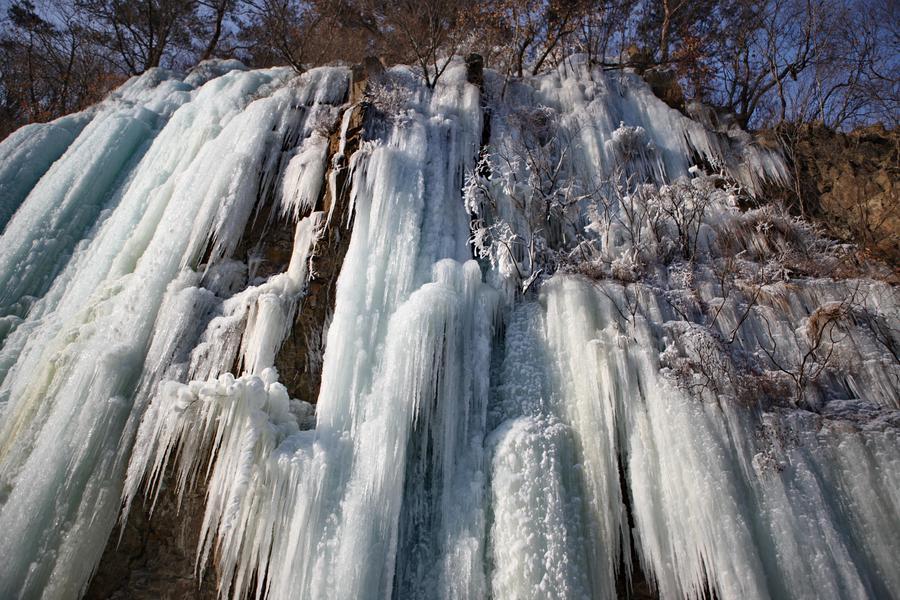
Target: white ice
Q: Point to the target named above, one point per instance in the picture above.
(592, 389)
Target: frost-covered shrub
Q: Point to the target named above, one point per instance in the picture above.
(683, 208)
(770, 234)
(630, 142)
(634, 152)
(524, 207)
(816, 352)
(696, 360)
(389, 95)
(535, 125)
(883, 332)
(627, 266)
(706, 366)
(609, 229)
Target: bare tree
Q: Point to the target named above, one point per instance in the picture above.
(774, 42)
(210, 23)
(138, 34)
(431, 31)
(523, 199)
(276, 31)
(666, 26)
(854, 79)
(47, 66)
(670, 10)
(534, 33)
(603, 28)
(305, 34)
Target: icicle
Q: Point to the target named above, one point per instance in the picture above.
(65, 436)
(303, 177)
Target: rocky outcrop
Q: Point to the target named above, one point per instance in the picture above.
(156, 556)
(662, 79)
(847, 182)
(663, 82)
(299, 361)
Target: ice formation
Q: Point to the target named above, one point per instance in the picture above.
(558, 361)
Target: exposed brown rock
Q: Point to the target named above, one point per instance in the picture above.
(662, 79)
(272, 238)
(848, 183)
(475, 70)
(664, 84)
(299, 359)
(638, 589)
(640, 59)
(155, 559)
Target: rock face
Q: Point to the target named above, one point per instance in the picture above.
(664, 84)
(156, 556)
(299, 361)
(662, 79)
(849, 183)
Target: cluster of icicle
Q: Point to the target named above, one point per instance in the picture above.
(469, 440)
(103, 295)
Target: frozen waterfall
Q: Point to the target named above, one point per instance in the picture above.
(563, 354)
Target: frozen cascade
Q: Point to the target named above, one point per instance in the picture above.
(722, 495)
(89, 333)
(629, 381)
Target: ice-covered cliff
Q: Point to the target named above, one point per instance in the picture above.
(545, 334)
